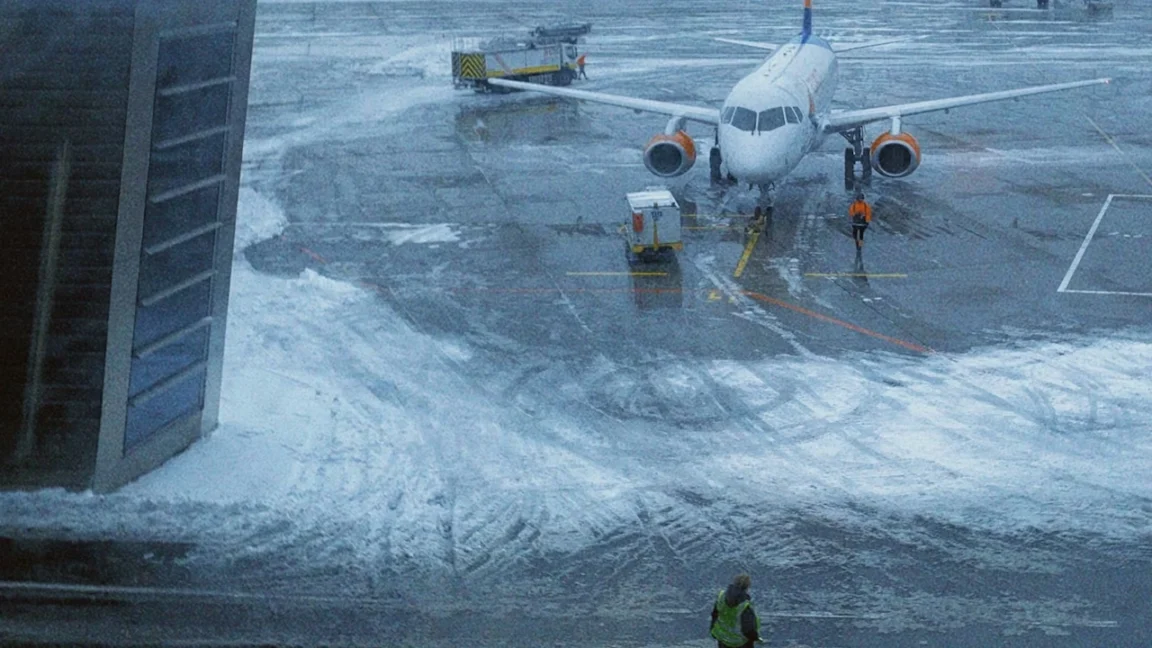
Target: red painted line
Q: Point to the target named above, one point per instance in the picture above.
(832, 320)
(315, 257)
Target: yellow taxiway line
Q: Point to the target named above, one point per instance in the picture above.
(747, 253)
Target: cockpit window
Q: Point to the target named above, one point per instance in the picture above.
(771, 119)
(793, 115)
(727, 116)
(744, 119)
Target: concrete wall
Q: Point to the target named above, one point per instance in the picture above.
(122, 126)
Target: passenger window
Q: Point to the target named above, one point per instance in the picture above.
(727, 116)
(744, 119)
(771, 119)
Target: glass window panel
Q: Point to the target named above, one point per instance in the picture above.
(727, 116)
(169, 360)
(185, 164)
(187, 113)
(771, 119)
(166, 220)
(792, 114)
(172, 313)
(175, 402)
(194, 59)
(744, 119)
(178, 263)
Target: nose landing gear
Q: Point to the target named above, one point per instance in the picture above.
(856, 153)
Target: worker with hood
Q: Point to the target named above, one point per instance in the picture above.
(860, 213)
(734, 622)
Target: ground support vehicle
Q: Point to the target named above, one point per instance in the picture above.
(654, 227)
(547, 55)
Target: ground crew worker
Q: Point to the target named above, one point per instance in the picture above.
(581, 74)
(734, 622)
(861, 214)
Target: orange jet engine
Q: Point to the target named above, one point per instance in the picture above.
(670, 155)
(896, 155)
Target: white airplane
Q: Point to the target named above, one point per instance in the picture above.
(782, 111)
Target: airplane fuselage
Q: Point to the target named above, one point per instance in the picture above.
(770, 119)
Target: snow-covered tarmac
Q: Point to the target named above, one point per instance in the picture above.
(384, 438)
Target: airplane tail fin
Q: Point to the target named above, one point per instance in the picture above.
(807, 31)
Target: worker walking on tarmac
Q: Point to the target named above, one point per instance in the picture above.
(734, 622)
(581, 74)
(861, 214)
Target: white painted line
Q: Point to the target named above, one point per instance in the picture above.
(1084, 246)
(1109, 292)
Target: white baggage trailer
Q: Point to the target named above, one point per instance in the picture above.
(655, 223)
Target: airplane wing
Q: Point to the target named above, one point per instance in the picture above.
(835, 48)
(849, 48)
(693, 113)
(764, 46)
(848, 119)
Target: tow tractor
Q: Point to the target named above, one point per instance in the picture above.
(547, 55)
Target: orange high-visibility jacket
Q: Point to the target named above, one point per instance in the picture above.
(580, 60)
(860, 208)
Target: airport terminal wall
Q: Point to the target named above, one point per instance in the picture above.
(122, 125)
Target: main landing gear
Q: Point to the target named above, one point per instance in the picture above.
(856, 153)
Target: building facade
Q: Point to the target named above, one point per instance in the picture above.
(121, 125)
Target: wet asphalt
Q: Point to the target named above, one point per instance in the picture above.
(968, 253)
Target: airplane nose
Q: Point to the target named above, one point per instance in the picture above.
(752, 159)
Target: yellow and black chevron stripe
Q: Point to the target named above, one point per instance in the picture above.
(468, 66)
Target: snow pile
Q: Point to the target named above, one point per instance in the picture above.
(257, 219)
(347, 436)
(1049, 437)
(335, 408)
